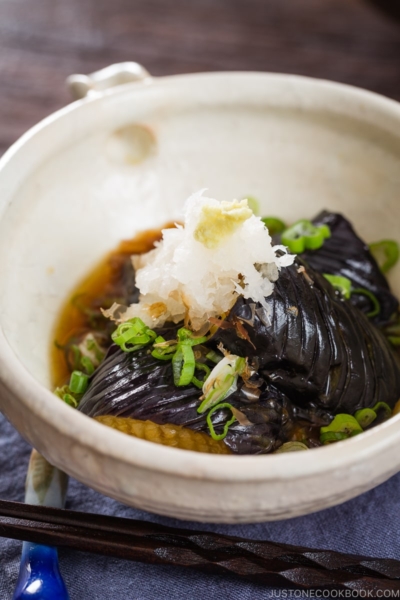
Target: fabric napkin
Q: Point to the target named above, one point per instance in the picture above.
(369, 525)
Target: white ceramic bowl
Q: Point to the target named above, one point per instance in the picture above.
(82, 180)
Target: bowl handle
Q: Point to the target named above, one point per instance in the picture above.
(99, 81)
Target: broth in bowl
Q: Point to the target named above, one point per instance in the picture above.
(235, 334)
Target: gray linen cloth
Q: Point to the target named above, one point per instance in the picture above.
(366, 525)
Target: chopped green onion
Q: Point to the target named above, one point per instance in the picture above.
(69, 399)
(386, 254)
(303, 235)
(78, 382)
(162, 354)
(332, 436)
(183, 364)
(274, 225)
(393, 328)
(177, 364)
(382, 406)
(76, 356)
(65, 394)
(162, 350)
(140, 340)
(182, 356)
(187, 336)
(222, 381)
(87, 365)
(341, 284)
(342, 427)
(214, 357)
(93, 346)
(365, 417)
(253, 204)
(201, 367)
(133, 332)
(184, 334)
(222, 435)
(291, 447)
(376, 307)
(61, 391)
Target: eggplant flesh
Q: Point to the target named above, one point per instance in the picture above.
(314, 346)
(347, 255)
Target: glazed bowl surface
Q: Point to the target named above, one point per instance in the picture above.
(125, 159)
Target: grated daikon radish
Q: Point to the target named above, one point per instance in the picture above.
(198, 271)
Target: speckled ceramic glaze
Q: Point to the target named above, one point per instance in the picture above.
(125, 159)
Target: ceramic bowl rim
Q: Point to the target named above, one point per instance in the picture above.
(147, 455)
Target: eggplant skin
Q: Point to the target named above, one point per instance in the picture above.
(317, 355)
(138, 386)
(316, 347)
(345, 254)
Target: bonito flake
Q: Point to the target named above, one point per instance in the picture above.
(198, 270)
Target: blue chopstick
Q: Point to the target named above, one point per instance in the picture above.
(39, 574)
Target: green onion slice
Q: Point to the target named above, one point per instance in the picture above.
(274, 225)
(386, 254)
(162, 354)
(385, 408)
(76, 356)
(303, 235)
(393, 328)
(61, 391)
(87, 365)
(81, 362)
(222, 381)
(201, 367)
(376, 307)
(182, 356)
(187, 336)
(78, 382)
(69, 399)
(162, 349)
(342, 426)
(365, 417)
(133, 335)
(219, 436)
(65, 394)
(183, 364)
(341, 284)
(214, 357)
(93, 347)
(332, 436)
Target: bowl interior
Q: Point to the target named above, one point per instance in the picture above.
(126, 161)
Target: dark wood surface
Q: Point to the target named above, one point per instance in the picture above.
(43, 41)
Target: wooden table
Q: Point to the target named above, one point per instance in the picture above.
(43, 41)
